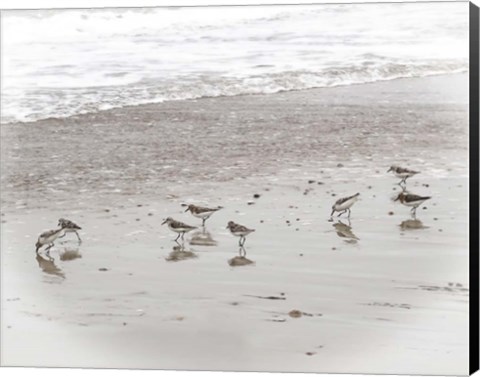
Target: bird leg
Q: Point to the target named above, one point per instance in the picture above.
(242, 251)
(177, 237)
(349, 212)
(241, 242)
(78, 236)
(183, 234)
(50, 258)
(203, 221)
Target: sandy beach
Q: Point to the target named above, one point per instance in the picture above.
(381, 293)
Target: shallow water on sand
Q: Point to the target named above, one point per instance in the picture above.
(379, 282)
(176, 148)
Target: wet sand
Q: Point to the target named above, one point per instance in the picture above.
(383, 293)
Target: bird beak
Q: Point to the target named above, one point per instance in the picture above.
(188, 209)
(164, 222)
(389, 170)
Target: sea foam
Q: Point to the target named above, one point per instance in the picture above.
(79, 61)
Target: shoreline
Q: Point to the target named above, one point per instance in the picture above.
(127, 107)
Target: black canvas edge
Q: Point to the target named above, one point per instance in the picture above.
(474, 188)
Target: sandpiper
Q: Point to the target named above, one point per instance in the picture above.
(178, 227)
(239, 231)
(47, 238)
(411, 200)
(202, 212)
(343, 205)
(69, 226)
(402, 173)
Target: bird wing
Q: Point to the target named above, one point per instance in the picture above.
(343, 200)
(48, 233)
(72, 225)
(241, 228)
(179, 224)
(205, 209)
(68, 224)
(405, 170)
(413, 197)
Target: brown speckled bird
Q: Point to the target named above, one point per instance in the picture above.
(239, 231)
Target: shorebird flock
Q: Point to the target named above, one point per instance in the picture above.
(341, 206)
(204, 213)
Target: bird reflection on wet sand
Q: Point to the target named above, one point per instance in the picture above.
(179, 253)
(69, 254)
(202, 238)
(47, 265)
(241, 259)
(345, 231)
(412, 224)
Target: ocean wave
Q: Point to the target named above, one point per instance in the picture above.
(64, 102)
(108, 58)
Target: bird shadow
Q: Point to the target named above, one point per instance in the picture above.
(345, 231)
(202, 238)
(48, 266)
(412, 224)
(69, 254)
(179, 253)
(241, 259)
